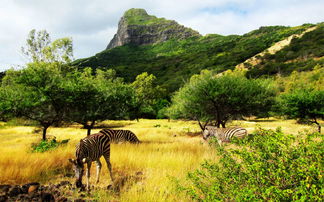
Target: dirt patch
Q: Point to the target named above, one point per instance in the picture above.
(123, 183)
(35, 192)
(64, 190)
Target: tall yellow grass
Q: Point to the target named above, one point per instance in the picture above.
(142, 172)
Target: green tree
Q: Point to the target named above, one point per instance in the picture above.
(98, 97)
(39, 48)
(36, 93)
(217, 99)
(147, 95)
(305, 104)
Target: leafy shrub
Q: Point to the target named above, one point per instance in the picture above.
(46, 145)
(268, 165)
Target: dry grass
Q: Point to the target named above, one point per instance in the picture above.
(142, 172)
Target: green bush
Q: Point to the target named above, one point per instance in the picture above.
(268, 165)
(46, 145)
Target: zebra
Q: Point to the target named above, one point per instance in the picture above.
(224, 134)
(121, 135)
(91, 148)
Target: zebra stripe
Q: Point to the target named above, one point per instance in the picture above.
(121, 135)
(224, 134)
(92, 147)
(89, 149)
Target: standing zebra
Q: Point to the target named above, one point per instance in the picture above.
(92, 147)
(224, 134)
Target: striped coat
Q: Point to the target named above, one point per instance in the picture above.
(121, 135)
(224, 134)
(92, 147)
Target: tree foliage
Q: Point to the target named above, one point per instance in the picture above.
(220, 98)
(39, 48)
(305, 104)
(36, 93)
(302, 96)
(148, 95)
(97, 97)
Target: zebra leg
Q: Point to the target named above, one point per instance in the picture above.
(109, 167)
(98, 170)
(88, 174)
(219, 142)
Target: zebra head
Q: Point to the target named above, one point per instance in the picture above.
(206, 134)
(78, 168)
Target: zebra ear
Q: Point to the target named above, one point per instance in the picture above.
(84, 160)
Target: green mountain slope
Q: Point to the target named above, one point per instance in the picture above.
(174, 61)
(302, 54)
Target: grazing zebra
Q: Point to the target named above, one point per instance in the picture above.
(121, 135)
(224, 134)
(91, 148)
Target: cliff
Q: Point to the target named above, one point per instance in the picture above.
(138, 28)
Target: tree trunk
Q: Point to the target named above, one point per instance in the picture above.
(44, 132)
(202, 127)
(89, 127)
(318, 125)
(88, 131)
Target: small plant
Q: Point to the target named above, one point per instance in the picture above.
(186, 130)
(157, 126)
(46, 145)
(274, 166)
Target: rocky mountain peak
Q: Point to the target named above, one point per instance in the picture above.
(139, 28)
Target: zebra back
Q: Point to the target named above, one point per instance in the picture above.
(225, 134)
(120, 135)
(93, 147)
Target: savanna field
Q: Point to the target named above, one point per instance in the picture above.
(173, 88)
(143, 172)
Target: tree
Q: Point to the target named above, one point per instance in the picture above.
(35, 93)
(305, 104)
(97, 97)
(217, 99)
(147, 95)
(39, 48)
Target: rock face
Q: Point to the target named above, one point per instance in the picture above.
(138, 28)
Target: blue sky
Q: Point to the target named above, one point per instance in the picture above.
(92, 24)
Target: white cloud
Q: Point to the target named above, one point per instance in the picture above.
(92, 24)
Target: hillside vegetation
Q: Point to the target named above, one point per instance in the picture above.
(302, 54)
(174, 61)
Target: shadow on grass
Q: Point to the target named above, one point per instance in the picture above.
(263, 121)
